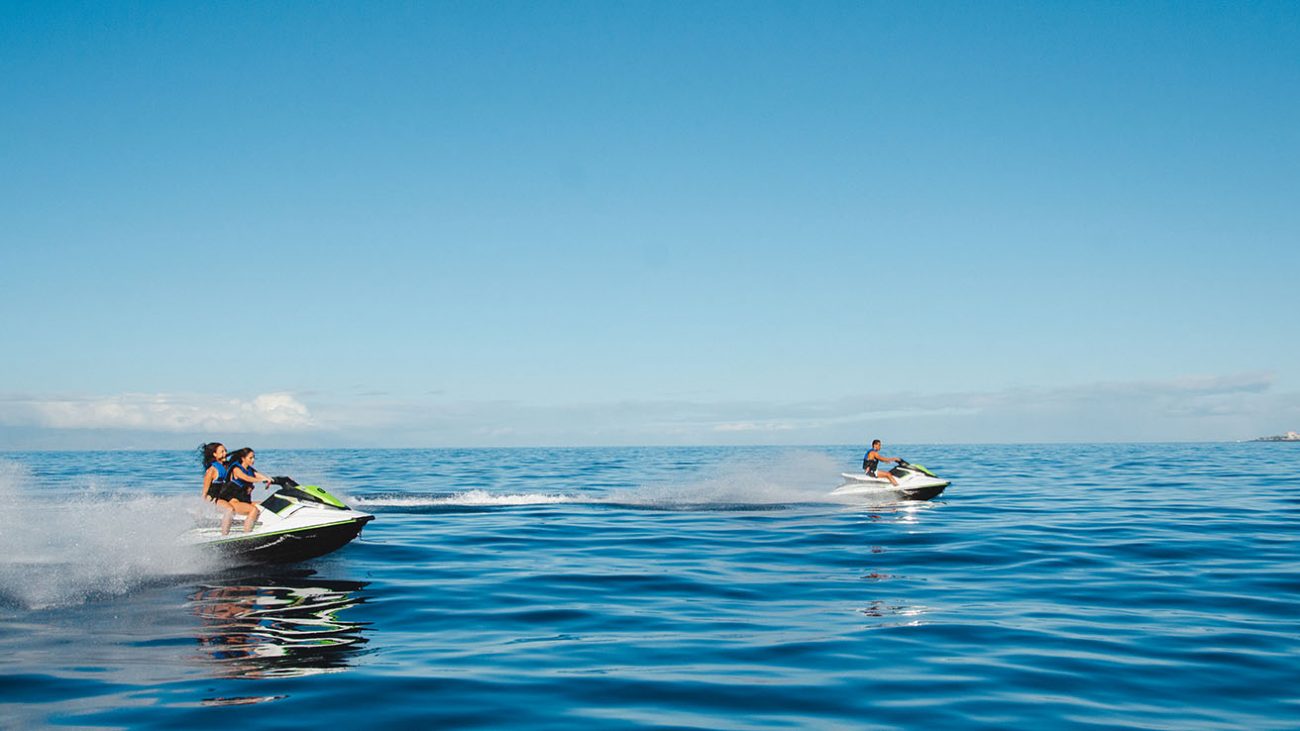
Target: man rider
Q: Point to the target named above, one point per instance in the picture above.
(872, 461)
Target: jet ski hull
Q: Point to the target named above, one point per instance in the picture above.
(910, 487)
(288, 546)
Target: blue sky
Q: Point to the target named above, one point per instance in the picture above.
(461, 224)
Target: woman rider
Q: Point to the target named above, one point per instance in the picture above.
(215, 474)
(242, 476)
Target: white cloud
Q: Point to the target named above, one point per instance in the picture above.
(270, 412)
(278, 409)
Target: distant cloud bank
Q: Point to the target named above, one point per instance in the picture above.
(1209, 408)
(266, 413)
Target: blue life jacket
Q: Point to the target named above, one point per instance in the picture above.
(236, 480)
(217, 487)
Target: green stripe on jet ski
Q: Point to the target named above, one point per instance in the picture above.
(322, 496)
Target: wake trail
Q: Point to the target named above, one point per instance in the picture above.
(788, 478)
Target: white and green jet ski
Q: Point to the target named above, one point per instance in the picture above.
(297, 522)
(914, 483)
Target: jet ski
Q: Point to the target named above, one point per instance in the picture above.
(297, 522)
(914, 483)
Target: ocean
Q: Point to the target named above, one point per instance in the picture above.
(1051, 586)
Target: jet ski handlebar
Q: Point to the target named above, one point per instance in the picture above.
(283, 481)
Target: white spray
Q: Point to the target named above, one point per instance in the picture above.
(65, 550)
(781, 478)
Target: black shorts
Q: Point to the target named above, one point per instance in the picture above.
(229, 491)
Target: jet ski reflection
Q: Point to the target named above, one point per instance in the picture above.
(278, 627)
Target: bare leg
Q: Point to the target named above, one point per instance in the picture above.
(883, 475)
(251, 520)
(226, 514)
(247, 510)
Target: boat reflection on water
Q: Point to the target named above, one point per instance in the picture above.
(883, 614)
(894, 612)
(277, 626)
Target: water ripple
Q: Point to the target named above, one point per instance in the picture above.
(1064, 586)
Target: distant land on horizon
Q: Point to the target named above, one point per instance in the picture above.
(1288, 437)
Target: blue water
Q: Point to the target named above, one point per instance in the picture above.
(1079, 586)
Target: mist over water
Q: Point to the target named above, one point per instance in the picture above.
(1062, 586)
(69, 547)
(772, 478)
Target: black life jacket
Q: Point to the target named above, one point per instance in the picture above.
(869, 464)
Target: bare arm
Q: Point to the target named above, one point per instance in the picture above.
(208, 475)
(240, 474)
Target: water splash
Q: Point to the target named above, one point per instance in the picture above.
(776, 479)
(61, 549)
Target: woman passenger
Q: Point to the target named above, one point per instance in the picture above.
(242, 476)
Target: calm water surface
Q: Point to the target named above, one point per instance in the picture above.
(1093, 586)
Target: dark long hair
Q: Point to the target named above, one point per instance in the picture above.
(237, 456)
(207, 453)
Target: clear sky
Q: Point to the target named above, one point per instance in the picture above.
(558, 223)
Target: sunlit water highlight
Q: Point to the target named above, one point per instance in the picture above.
(1094, 586)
